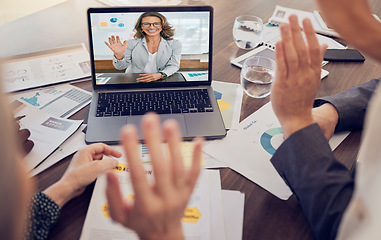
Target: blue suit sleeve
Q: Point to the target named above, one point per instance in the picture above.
(351, 105)
(322, 185)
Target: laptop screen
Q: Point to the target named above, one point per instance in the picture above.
(150, 46)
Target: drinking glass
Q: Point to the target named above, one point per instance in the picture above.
(257, 76)
(247, 31)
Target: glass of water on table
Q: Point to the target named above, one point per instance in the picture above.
(257, 76)
(247, 31)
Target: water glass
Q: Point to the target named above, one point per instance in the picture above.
(257, 76)
(247, 31)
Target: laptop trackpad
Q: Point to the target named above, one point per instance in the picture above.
(178, 117)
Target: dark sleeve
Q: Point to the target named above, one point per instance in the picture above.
(42, 216)
(351, 105)
(322, 185)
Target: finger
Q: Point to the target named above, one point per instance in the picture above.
(131, 145)
(194, 171)
(153, 138)
(173, 137)
(281, 66)
(108, 45)
(118, 39)
(98, 156)
(103, 165)
(313, 44)
(17, 125)
(323, 48)
(113, 39)
(125, 42)
(28, 145)
(298, 40)
(101, 148)
(24, 134)
(290, 54)
(144, 78)
(115, 199)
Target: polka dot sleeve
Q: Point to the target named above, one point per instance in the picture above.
(42, 216)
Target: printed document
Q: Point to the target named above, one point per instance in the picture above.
(248, 150)
(46, 67)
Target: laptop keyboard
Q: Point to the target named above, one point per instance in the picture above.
(161, 102)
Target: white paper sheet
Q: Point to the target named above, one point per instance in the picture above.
(70, 146)
(248, 150)
(281, 14)
(62, 100)
(98, 224)
(229, 99)
(233, 203)
(47, 133)
(217, 231)
(46, 67)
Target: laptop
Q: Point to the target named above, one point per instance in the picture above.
(184, 60)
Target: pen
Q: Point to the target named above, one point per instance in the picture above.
(19, 117)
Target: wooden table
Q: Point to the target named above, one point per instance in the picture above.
(265, 217)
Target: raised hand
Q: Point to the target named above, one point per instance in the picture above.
(117, 46)
(157, 209)
(297, 77)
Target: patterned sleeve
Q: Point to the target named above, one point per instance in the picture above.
(42, 216)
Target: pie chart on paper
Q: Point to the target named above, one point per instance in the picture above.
(272, 139)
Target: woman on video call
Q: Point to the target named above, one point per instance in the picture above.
(152, 52)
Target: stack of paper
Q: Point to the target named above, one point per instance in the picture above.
(62, 100)
(281, 14)
(47, 132)
(204, 216)
(46, 67)
(248, 150)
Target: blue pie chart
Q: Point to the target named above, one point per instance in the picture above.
(266, 139)
(113, 20)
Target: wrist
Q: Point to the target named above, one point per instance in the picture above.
(60, 192)
(293, 125)
(119, 56)
(163, 75)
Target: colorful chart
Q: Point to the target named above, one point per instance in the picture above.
(32, 100)
(113, 20)
(266, 139)
(223, 105)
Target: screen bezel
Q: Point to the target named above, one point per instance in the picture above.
(151, 9)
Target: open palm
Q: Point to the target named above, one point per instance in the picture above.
(117, 46)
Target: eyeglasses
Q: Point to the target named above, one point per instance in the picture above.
(155, 24)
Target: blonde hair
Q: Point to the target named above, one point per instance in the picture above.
(167, 31)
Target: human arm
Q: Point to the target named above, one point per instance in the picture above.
(157, 209)
(350, 107)
(322, 185)
(305, 161)
(116, 46)
(84, 168)
(126, 60)
(149, 77)
(87, 164)
(360, 28)
(173, 64)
